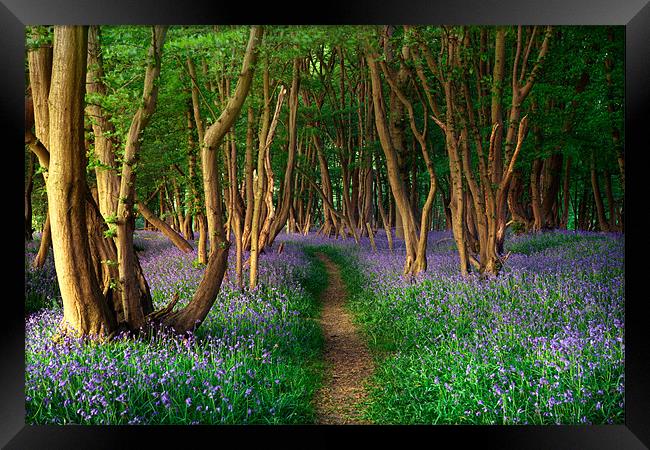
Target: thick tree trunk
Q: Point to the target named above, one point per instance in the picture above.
(40, 75)
(420, 263)
(519, 212)
(395, 180)
(215, 134)
(397, 139)
(551, 188)
(103, 250)
(108, 194)
(131, 295)
(202, 248)
(188, 232)
(108, 184)
(85, 310)
(457, 205)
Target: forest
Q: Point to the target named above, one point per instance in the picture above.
(324, 224)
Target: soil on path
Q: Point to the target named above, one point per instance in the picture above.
(348, 363)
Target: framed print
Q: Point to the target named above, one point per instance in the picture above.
(403, 220)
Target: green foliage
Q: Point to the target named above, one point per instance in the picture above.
(111, 232)
(38, 36)
(217, 53)
(518, 228)
(197, 264)
(35, 302)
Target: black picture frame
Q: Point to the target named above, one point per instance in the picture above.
(633, 14)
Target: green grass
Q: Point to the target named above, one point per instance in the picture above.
(381, 332)
(539, 242)
(454, 352)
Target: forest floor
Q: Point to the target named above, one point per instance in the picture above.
(348, 363)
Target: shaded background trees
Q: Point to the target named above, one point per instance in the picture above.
(344, 131)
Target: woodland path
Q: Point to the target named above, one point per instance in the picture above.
(348, 363)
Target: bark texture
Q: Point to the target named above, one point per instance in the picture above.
(85, 310)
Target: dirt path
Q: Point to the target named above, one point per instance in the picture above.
(347, 361)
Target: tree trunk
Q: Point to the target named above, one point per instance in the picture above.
(535, 199)
(108, 184)
(40, 75)
(551, 188)
(258, 180)
(394, 178)
(162, 226)
(382, 213)
(521, 89)
(566, 193)
(610, 202)
(330, 220)
(102, 249)
(131, 295)
(582, 220)
(495, 157)
(202, 248)
(216, 132)
(85, 310)
(457, 205)
(515, 201)
(260, 229)
(248, 183)
(190, 317)
(420, 263)
(237, 210)
(285, 204)
(598, 199)
(178, 206)
(44, 246)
